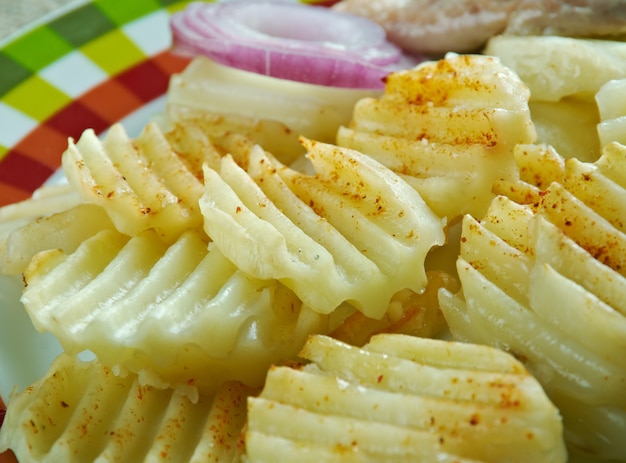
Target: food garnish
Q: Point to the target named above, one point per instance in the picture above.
(289, 41)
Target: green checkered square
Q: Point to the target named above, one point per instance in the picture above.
(175, 6)
(12, 73)
(124, 11)
(38, 48)
(178, 3)
(83, 25)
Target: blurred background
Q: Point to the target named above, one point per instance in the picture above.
(15, 14)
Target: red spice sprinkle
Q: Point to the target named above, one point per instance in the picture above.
(379, 379)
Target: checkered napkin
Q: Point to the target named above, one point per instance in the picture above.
(87, 68)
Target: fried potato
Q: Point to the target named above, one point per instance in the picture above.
(82, 411)
(141, 183)
(585, 226)
(273, 136)
(403, 398)
(353, 232)
(503, 264)
(15, 250)
(408, 313)
(545, 281)
(448, 127)
(64, 230)
(612, 163)
(192, 139)
(558, 360)
(587, 183)
(44, 201)
(314, 111)
(539, 164)
(570, 126)
(575, 92)
(612, 108)
(564, 255)
(558, 67)
(180, 315)
(509, 221)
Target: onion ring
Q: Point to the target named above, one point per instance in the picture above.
(289, 41)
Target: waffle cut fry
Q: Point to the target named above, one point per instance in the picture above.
(353, 232)
(566, 77)
(448, 127)
(402, 398)
(238, 96)
(612, 112)
(63, 230)
(546, 281)
(82, 412)
(142, 183)
(179, 315)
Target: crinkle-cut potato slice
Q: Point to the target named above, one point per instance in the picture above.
(585, 226)
(180, 315)
(612, 163)
(314, 111)
(449, 177)
(539, 165)
(408, 313)
(503, 264)
(456, 81)
(404, 398)
(570, 125)
(612, 107)
(509, 220)
(204, 141)
(557, 67)
(193, 140)
(141, 183)
(546, 283)
(64, 230)
(448, 127)
(459, 125)
(44, 201)
(353, 232)
(552, 247)
(593, 426)
(274, 136)
(587, 388)
(83, 412)
(268, 447)
(587, 183)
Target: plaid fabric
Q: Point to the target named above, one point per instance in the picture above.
(87, 68)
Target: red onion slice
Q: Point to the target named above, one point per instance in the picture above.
(289, 41)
